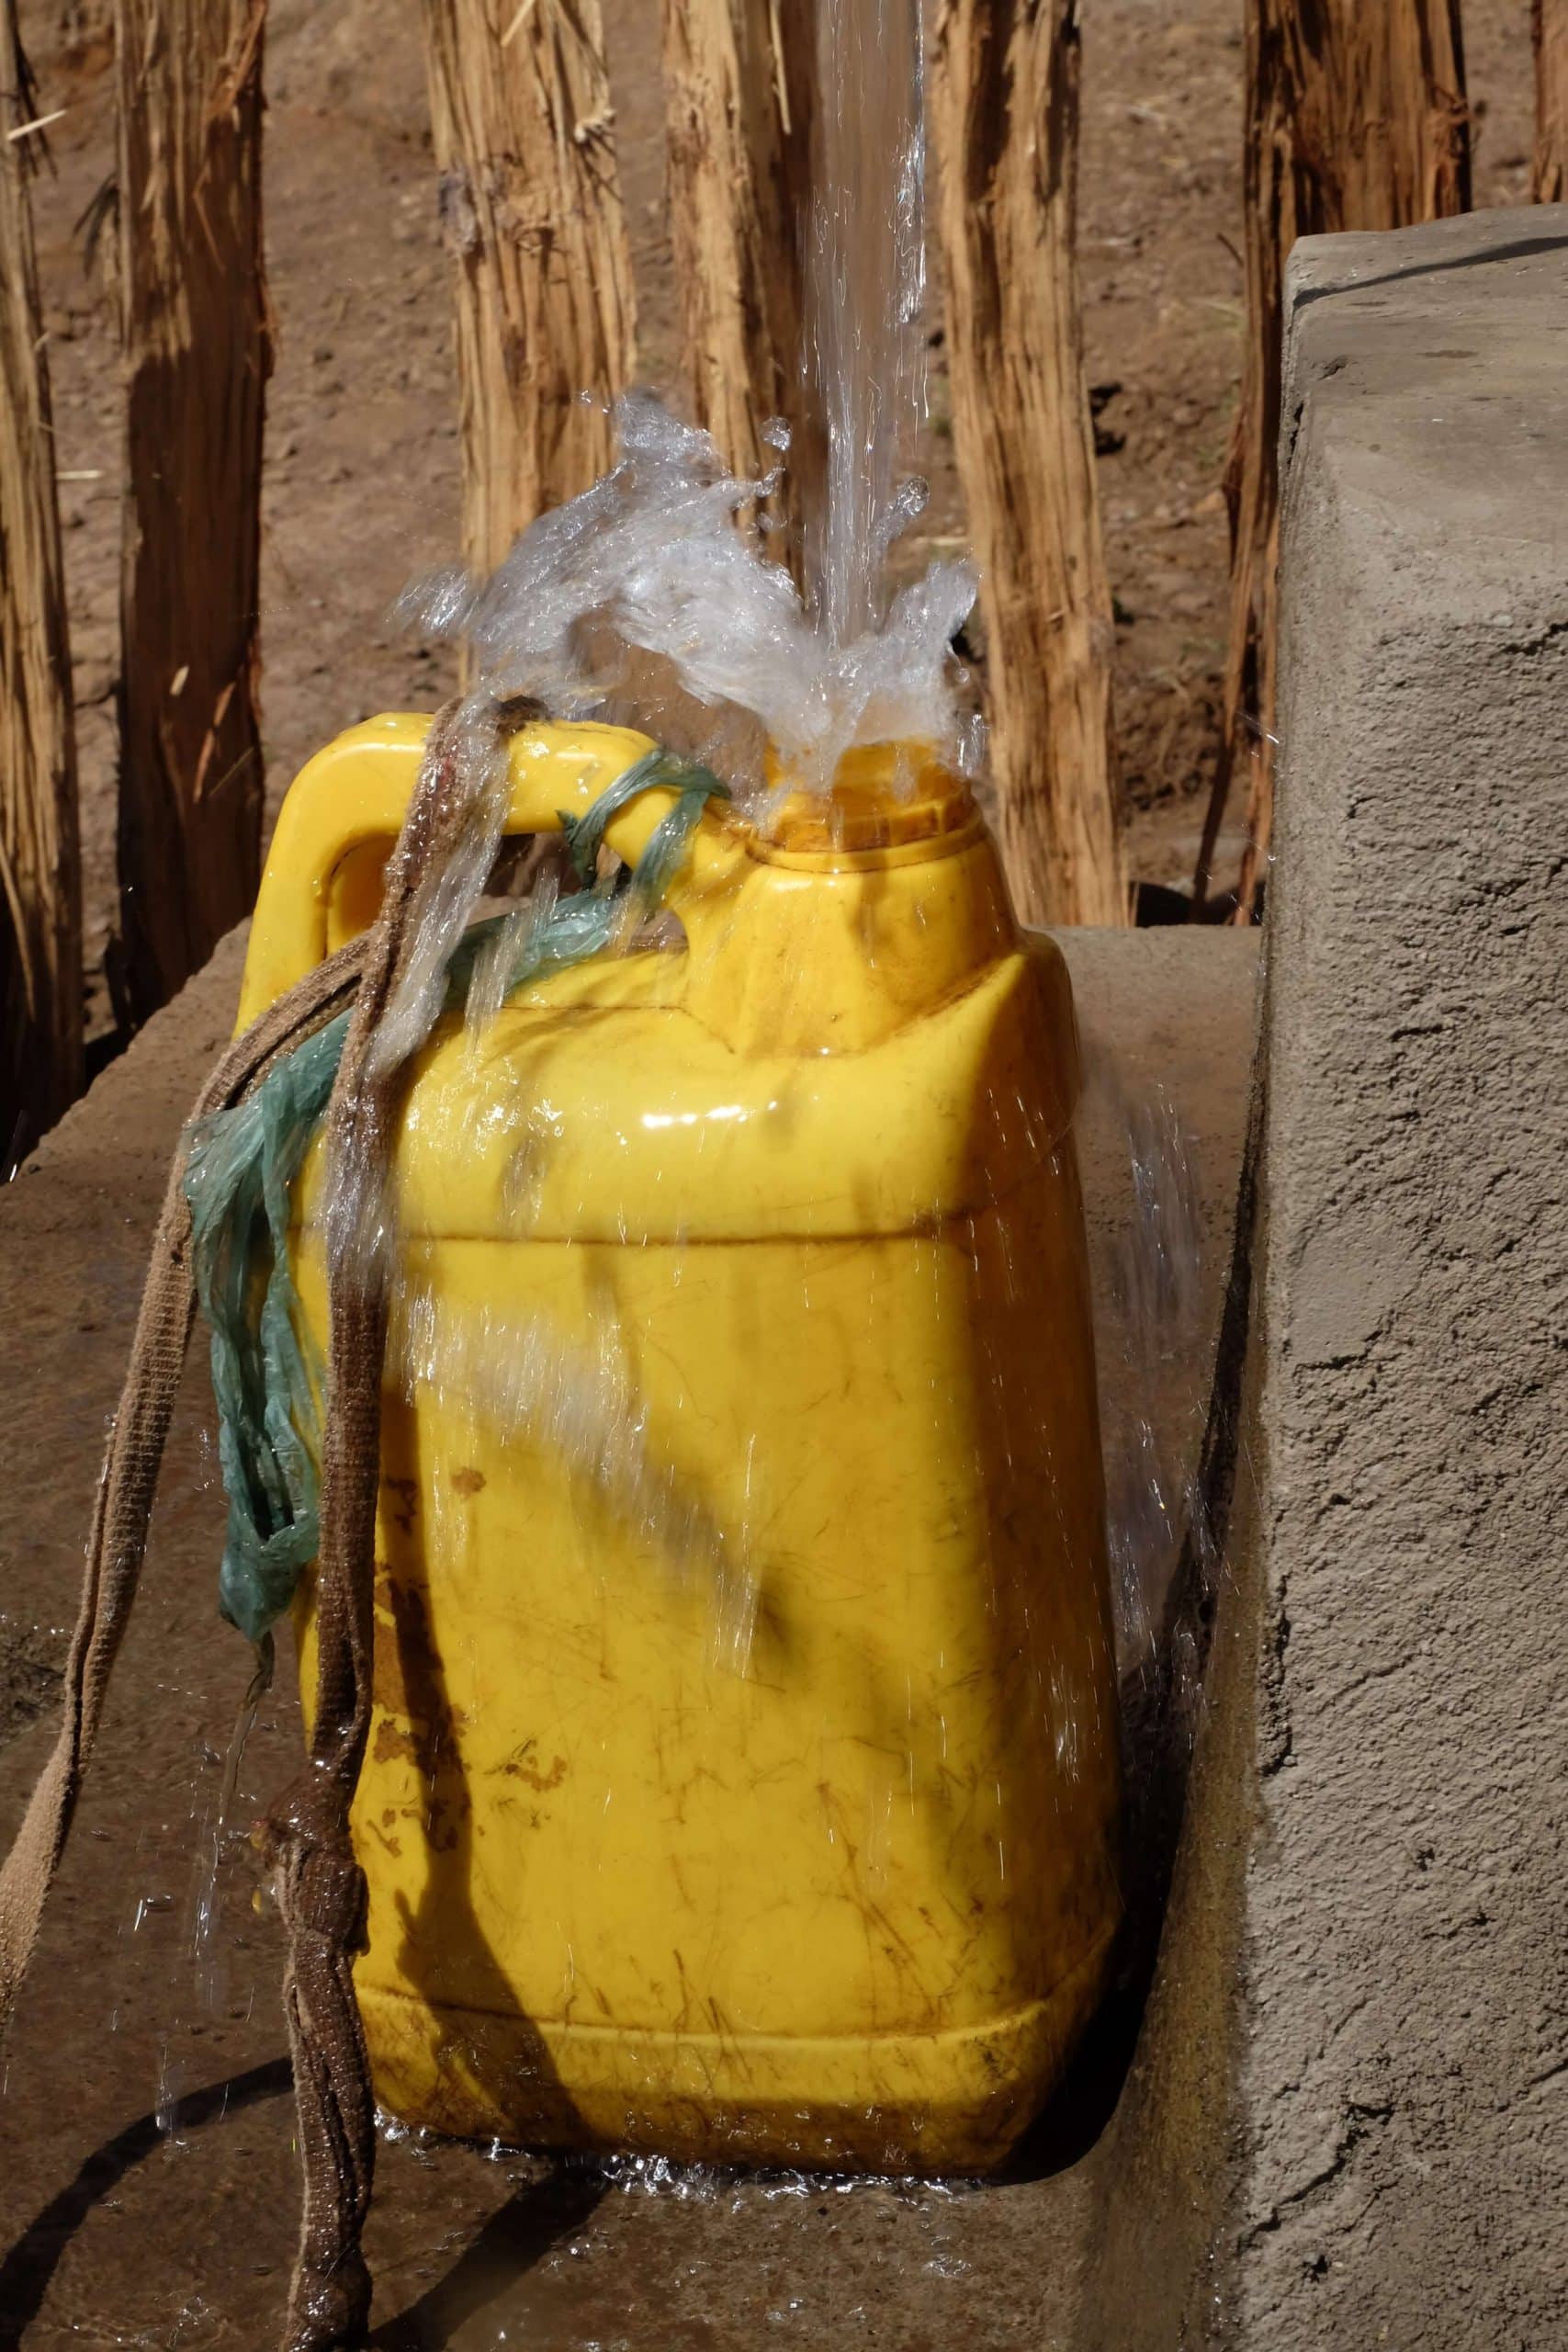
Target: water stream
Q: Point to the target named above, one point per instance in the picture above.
(865, 286)
(639, 601)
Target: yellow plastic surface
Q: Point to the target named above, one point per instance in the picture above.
(743, 1778)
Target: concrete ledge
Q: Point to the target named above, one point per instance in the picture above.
(1402, 2084)
(113, 2229)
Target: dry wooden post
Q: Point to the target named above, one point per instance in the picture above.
(197, 352)
(1356, 119)
(1549, 23)
(1005, 107)
(194, 327)
(737, 80)
(85, 24)
(530, 203)
(40, 890)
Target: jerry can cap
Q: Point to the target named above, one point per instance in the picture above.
(884, 797)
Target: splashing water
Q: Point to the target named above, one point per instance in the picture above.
(519, 1376)
(1150, 1317)
(641, 601)
(208, 1953)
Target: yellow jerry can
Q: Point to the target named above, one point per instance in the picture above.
(743, 1779)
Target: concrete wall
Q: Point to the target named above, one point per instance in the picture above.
(1370, 1935)
(1404, 2080)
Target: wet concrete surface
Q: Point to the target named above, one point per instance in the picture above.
(148, 2187)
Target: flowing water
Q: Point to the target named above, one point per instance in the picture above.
(640, 601)
(1153, 1342)
(866, 285)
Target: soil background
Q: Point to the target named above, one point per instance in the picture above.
(362, 470)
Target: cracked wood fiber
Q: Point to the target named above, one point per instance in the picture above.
(531, 205)
(1356, 119)
(1005, 111)
(739, 83)
(85, 25)
(1549, 23)
(41, 890)
(197, 344)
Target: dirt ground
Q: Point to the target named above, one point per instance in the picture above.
(362, 457)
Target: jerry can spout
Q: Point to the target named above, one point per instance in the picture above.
(843, 916)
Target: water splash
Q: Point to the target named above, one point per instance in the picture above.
(208, 1954)
(519, 1376)
(1153, 1345)
(640, 601)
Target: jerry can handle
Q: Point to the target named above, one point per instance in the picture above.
(335, 831)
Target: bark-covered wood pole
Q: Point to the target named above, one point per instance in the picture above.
(739, 83)
(1548, 20)
(197, 342)
(1005, 107)
(40, 887)
(1356, 118)
(531, 205)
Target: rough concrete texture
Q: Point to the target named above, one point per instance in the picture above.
(1404, 2077)
(117, 2227)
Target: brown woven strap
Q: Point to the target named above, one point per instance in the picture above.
(306, 1835)
(119, 1539)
